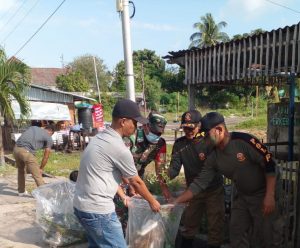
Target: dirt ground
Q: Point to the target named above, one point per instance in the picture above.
(17, 214)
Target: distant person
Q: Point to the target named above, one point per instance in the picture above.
(104, 162)
(33, 139)
(191, 151)
(73, 176)
(243, 159)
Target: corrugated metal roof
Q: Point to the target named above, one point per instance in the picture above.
(41, 93)
(267, 55)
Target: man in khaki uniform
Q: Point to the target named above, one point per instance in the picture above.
(191, 152)
(243, 159)
(33, 139)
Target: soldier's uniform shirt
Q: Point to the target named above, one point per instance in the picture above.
(247, 162)
(244, 160)
(144, 152)
(191, 154)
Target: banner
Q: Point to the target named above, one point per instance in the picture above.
(97, 111)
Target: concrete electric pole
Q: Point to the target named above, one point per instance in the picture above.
(123, 8)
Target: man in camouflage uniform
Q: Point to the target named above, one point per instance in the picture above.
(146, 146)
(190, 151)
(243, 159)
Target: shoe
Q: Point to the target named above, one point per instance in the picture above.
(25, 193)
(187, 243)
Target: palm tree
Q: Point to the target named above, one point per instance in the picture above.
(13, 81)
(208, 32)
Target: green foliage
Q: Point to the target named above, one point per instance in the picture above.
(108, 103)
(172, 80)
(258, 123)
(14, 80)
(73, 81)
(170, 101)
(85, 66)
(209, 32)
(152, 92)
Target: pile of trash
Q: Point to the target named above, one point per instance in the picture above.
(147, 229)
(54, 214)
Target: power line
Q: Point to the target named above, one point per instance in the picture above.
(44, 23)
(283, 6)
(14, 14)
(20, 22)
(5, 13)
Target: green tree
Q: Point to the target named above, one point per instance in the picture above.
(172, 80)
(85, 65)
(14, 78)
(152, 92)
(73, 81)
(209, 32)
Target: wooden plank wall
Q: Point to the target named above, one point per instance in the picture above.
(255, 59)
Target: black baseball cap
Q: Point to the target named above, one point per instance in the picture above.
(210, 120)
(190, 118)
(126, 108)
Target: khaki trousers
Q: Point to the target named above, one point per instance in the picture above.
(25, 159)
(248, 226)
(211, 203)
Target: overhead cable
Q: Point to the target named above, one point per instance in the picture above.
(283, 6)
(20, 22)
(14, 14)
(44, 23)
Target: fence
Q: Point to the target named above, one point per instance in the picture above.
(287, 199)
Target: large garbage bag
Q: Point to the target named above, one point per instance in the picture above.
(54, 214)
(147, 229)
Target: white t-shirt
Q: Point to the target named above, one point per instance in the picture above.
(104, 161)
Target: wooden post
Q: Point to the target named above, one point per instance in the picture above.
(143, 85)
(256, 105)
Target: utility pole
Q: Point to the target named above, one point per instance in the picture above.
(256, 104)
(143, 83)
(122, 7)
(97, 82)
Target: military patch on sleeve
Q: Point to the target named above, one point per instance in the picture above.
(259, 147)
(240, 157)
(202, 156)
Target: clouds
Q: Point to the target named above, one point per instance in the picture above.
(251, 9)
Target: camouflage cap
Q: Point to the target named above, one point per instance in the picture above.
(157, 123)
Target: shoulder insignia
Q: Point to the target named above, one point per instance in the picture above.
(202, 156)
(258, 146)
(240, 157)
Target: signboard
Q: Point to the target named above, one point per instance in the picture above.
(43, 111)
(97, 110)
(278, 123)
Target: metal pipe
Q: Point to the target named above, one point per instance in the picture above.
(291, 82)
(127, 51)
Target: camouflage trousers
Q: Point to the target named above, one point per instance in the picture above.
(248, 226)
(211, 203)
(122, 212)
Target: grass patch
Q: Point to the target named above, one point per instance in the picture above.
(7, 170)
(61, 164)
(258, 123)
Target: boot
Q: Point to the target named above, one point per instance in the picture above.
(186, 243)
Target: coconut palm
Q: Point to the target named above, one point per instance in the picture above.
(209, 32)
(13, 81)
